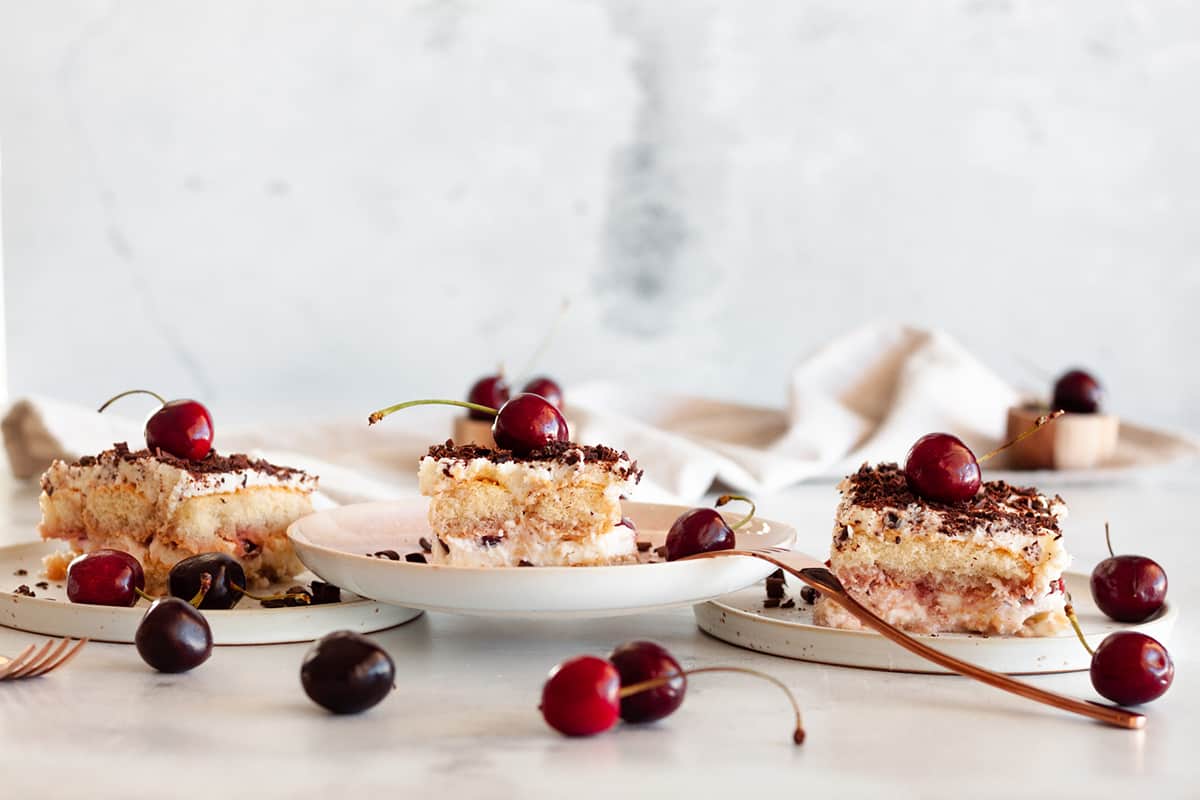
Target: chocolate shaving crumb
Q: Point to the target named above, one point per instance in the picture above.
(426, 545)
(25, 590)
(42, 585)
(324, 593)
(416, 558)
(809, 595)
(789, 603)
(643, 547)
(775, 584)
(445, 549)
(21, 572)
(524, 563)
(390, 555)
(771, 602)
(490, 540)
(661, 552)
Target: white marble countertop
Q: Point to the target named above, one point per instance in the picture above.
(464, 721)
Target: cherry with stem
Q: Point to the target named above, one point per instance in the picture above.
(1128, 588)
(182, 428)
(523, 425)
(1128, 667)
(704, 530)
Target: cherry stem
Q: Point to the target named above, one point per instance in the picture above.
(281, 596)
(1045, 419)
(725, 498)
(1069, 610)
(383, 412)
(1108, 540)
(206, 582)
(142, 594)
(644, 686)
(112, 400)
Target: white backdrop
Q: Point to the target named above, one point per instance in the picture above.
(319, 208)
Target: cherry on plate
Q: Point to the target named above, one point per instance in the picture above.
(226, 575)
(105, 577)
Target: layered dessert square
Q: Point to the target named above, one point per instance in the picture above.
(161, 509)
(991, 565)
(558, 506)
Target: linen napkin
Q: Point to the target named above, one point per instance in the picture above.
(863, 397)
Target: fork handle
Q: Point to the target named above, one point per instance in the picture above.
(831, 588)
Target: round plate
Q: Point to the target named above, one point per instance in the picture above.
(52, 614)
(334, 544)
(740, 618)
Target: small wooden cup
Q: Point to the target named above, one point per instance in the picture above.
(1073, 441)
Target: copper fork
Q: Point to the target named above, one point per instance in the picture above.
(820, 578)
(31, 664)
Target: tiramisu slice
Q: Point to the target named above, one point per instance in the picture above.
(557, 506)
(161, 509)
(991, 565)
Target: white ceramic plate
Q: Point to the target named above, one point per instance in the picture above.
(52, 614)
(739, 618)
(334, 544)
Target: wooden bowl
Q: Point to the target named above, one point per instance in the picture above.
(1073, 441)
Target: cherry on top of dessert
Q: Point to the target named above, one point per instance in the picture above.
(183, 428)
(940, 467)
(547, 388)
(1078, 392)
(1128, 588)
(526, 423)
(491, 391)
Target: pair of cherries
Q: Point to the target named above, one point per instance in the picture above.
(493, 391)
(1128, 667)
(182, 428)
(639, 682)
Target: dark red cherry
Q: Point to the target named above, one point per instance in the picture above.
(940, 467)
(1077, 392)
(347, 673)
(1129, 588)
(173, 636)
(581, 697)
(491, 391)
(528, 422)
(547, 388)
(700, 530)
(225, 573)
(645, 661)
(1130, 668)
(105, 578)
(183, 428)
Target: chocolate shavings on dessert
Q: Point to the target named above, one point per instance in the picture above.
(884, 488)
(562, 452)
(209, 465)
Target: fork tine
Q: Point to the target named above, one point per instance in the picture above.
(61, 660)
(16, 663)
(34, 662)
(37, 668)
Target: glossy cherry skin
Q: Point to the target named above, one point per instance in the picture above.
(700, 530)
(528, 422)
(183, 581)
(582, 696)
(491, 391)
(1129, 588)
(1077, 392)
(647, 661)
(105, 578)
(346, 672)
(1130, 668)
(173, 636)
(546, 388)
(940, 467)
(183, 428)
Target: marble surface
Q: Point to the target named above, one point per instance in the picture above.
(463, 720)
